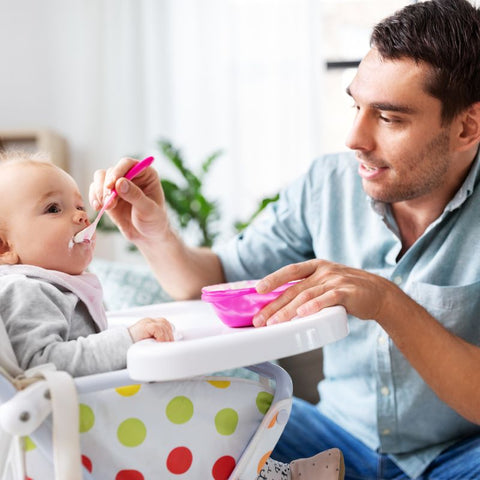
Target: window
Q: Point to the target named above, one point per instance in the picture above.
(346, 28)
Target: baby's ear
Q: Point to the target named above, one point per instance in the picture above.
(8, 256)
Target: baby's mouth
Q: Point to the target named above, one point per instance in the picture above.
(72, 242)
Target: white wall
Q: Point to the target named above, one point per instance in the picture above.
(45, 72)
(112, 76)
(245, 76)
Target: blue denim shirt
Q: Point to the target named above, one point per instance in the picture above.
(370, 389)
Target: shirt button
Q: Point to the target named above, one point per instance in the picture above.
(384, 391)
(386, 431)
(397, 280)
(382, 340)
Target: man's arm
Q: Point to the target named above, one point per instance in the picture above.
(447, 363)
(182, 270)
(140, 214)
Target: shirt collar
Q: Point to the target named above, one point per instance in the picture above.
(468, 185)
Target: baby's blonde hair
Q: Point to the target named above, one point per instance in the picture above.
(22, 156)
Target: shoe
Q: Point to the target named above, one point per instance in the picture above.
(327, 465)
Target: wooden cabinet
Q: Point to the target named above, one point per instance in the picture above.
(33, 140)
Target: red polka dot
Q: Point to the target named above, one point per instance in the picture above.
(87, 463)
(129, 475)
(179, 460)
(223, 467)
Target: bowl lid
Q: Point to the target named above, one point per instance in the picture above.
(235, 289)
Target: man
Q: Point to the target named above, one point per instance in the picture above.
(401, 393)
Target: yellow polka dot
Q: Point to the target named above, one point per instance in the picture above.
(87, 418)
(28, 444)
(128, 391)
(219, 383)
(131, 432)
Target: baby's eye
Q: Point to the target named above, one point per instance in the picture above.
(53, 208)
(81, 208)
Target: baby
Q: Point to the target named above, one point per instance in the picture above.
(51, 308)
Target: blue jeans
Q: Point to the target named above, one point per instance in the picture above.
(309, 432)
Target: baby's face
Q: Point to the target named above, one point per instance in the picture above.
(40, 211)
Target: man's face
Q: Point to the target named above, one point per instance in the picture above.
(402, 148)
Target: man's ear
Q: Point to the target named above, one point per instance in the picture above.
(8, 256)
(468, 130)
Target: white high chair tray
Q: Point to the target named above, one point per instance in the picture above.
(207, 343)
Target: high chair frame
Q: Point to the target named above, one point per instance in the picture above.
(28, 412)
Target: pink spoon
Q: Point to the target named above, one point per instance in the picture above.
(87, 233)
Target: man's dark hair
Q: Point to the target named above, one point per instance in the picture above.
(444, 34)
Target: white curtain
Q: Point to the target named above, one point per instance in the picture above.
(113, 76)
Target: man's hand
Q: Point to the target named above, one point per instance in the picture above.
(139, 210)
(324, 284)
(158, 328)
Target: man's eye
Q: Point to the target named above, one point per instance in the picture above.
(53, 208)
(389, 119)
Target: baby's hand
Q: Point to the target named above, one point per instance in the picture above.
(158, 328)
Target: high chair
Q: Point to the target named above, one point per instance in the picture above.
(164, 416)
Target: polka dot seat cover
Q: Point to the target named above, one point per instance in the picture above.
(191, 429)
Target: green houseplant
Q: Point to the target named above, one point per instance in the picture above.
(187, 200)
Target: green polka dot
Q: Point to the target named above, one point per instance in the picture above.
(87, 418)
(28, 444)
(131, 432)
(226, 421)
(264, 400)
(179, 410)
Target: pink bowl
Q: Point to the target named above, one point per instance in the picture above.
(236, 303)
